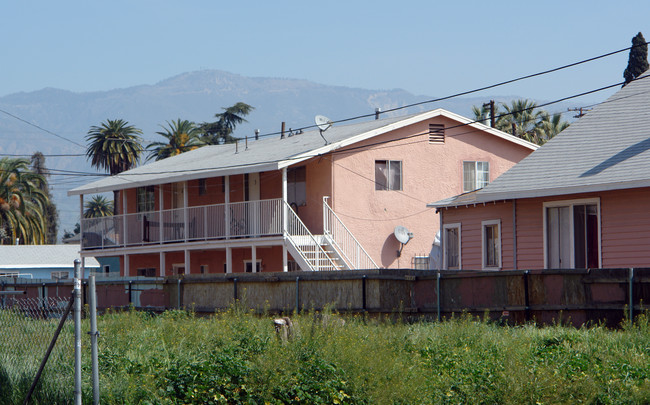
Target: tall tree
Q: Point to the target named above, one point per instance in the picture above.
(220, 131)
(181, 136)
(114, 146)
(98, 207)
(51, 213)
(549, 126)
(638, 60)
(22, 203)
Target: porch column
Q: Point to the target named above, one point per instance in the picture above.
(126, 266)
(124, 232)
(254, 259)
(285, 219)
(186, 230)
(81, 223)
(226, 180)
(187, 261)
(228, 259)
(162, 264)
(160, 223)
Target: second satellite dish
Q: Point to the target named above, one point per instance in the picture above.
(403, 236)
(322, 122)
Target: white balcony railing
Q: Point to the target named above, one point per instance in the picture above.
(245, 219)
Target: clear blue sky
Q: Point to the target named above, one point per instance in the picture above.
(432, 48)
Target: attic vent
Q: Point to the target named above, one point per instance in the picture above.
(436, 133)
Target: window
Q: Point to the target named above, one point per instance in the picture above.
(204, 269)
(292, 265)
(491, 244)
(475, 175)
(436, 133)
(451, 242)
(203, 188)
(60, 275)
(388, 175)
(107, 269)
(572, 234)
(145, 199)
(297, 186)
(146, 272)
(248, 266)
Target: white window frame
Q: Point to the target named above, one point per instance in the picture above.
(571, 203)
(253, 270)
(445, 243)
(484, 265)
(476, 185)
(389, 186)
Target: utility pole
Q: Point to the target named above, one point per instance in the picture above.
(580, 111)
(492, 119)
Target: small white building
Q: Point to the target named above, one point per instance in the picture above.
(43, 261)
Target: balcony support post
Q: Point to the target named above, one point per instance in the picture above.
(126, 265)
(185, 217)
(162, 264)
(160, 224)
(228, 259)
(254, 259)
(226, 180)
(124, 223)
(285, 219)
(187, 261)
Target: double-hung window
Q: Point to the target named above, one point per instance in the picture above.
(491, 241)
(145, 199)
(388, 175)
(451, 246)
(572, 234)
(297, 186)
(475, 175)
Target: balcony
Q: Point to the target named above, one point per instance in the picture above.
(210, 222)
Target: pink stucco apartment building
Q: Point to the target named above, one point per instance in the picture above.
(580, 201)
(307, 201)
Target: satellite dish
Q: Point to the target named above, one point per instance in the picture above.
(322, 122)
(403, 236)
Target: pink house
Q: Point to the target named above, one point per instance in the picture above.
(309, 201)
(580, 201)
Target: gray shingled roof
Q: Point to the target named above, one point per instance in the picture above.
(607, 149)
(266, 154)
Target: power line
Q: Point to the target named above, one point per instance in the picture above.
(41, 128)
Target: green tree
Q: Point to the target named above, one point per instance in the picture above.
(181, 135)
(97, 207)
(69, 234)
(549, 126)
(638, 60)
(220, 131)
(51, 212)
(22, 203)
(114, 146)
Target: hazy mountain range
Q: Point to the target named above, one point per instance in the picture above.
(194, 96)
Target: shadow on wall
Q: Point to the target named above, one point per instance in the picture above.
(389, 251)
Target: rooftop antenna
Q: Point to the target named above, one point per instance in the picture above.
(323, 123)
(403, 236)
(257, 134)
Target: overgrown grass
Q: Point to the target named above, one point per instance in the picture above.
(236, 357)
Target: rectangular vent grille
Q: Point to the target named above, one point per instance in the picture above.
(436, 133)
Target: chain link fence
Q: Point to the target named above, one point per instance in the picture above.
(27, 326)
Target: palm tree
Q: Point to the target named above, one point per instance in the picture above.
(182, 136)
(114, 146)
(549, 126)
(220, 131)
(521, 118)
(51, 212)
(482, 115)
(22, 203)
(97, 207)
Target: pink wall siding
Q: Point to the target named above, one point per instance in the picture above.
(471, 228)
(625, 229)
(431, 172)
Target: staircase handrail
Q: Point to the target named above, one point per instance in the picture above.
(306, 232)
(363, 254)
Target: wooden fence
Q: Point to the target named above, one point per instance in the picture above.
(543, 296)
